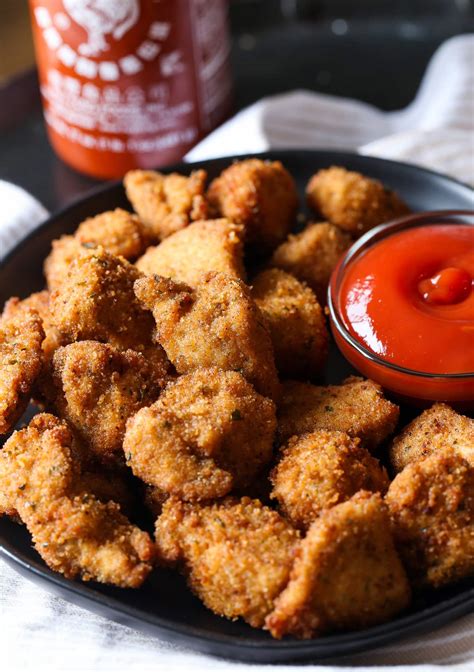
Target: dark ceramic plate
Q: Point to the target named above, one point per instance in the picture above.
(164, 607)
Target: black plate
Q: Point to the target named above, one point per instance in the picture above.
(164, 607)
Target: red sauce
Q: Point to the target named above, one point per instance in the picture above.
(410, 299)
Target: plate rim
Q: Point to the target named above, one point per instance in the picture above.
(222, 644)
(350, 642)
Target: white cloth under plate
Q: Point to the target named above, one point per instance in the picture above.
(39, 631)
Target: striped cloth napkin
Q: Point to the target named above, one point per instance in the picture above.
(39, 631)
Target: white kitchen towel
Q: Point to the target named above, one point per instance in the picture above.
(39, 631)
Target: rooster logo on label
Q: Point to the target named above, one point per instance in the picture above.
(100, 18)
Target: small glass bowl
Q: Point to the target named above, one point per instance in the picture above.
(415, 387)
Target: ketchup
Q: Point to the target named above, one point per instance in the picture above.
(410, 299)
(130, 83)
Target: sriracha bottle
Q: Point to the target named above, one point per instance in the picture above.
(130, 83)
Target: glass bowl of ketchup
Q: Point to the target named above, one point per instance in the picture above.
(401, 303)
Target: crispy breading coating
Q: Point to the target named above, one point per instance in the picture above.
(260, 195)
(296, 323)
(351, 200)
(207, 245)
(21, 358)
(347, 574)
(96, 301)
(39, 302)
(436, 428)
(431, 503)
(357, 407)
(208, 433)
(321, 469)
(166, 203)
(56, 265)
(37, 466)
(235, 554)
(312, 255)
(215, 324)
(108, 485)
(117, 231)
(74, 533)
(96, 388)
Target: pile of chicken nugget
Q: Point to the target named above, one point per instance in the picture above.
(179, 379)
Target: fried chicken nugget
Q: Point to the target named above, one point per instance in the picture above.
(312, 255)
(166, 203)
(357, 407)
(96, 302)
(436, 428)
(119, 232)
(260, 195)
(74, 533)
(235, 554)
(347, 574)
(431, 504)
(351, 200)
(215, 324)
(296, 322)
(96, 388)
(321, 469)
(208, 433)
(207, 245)
(39, 302)
(21, 358)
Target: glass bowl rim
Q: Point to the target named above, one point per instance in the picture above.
(364, 242)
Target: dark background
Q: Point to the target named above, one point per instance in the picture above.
(373, 50)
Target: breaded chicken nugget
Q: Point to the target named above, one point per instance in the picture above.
(347, 574)
(96, 388)
(321, 469)
(357, 407)
(73, 532)
(260, 195)
(312, 255)
(215, 324)
(37, 465)
(431, 504)
(21, 358)
(39, 302)
(296, 323)
(436, 428)
(166, 203)
(236, 555)
(81, 536)
(352, 201)
(208, 245)
(117, 231)
(96, 302)
(208, 433)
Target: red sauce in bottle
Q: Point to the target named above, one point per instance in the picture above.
(410, 299)
(130, 83)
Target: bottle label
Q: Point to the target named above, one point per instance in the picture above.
(132, 76)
